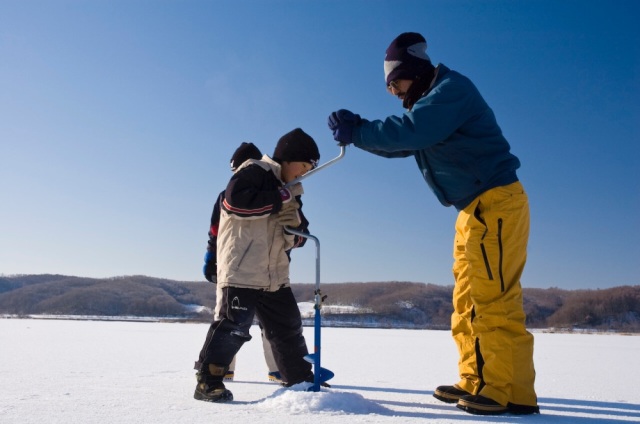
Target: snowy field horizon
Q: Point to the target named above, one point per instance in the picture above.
(83, 371)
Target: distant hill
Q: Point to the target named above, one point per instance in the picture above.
(119, 296)
(379, 304)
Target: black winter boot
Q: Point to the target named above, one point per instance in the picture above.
(480, 405)
(449, 394)
(210, 387)
(516, 409)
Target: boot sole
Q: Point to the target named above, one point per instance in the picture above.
(443, 397)
(225, 396)
(478, 409)
(448, 397)
(522, 409)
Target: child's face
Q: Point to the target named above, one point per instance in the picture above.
(292, 170)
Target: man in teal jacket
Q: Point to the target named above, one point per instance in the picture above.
(462, 154)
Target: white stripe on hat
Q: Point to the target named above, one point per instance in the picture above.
(419, 50)
(389, 66)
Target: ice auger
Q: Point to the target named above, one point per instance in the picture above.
(320, 375)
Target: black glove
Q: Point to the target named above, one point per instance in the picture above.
(210, 268)
(341, 123)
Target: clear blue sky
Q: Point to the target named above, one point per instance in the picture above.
(118, 119)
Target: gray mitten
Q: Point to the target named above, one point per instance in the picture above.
(296, 190)
(289, 218)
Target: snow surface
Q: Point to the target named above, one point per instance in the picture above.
(63, 371)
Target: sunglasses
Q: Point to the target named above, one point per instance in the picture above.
(393, 85)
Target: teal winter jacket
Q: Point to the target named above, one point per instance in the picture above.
(454, 137)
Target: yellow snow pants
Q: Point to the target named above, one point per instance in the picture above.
(488, 322)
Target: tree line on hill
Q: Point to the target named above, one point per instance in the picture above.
(392, 304)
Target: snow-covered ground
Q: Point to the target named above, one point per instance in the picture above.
(61, 371)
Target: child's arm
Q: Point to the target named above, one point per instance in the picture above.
(253, 193)
(210, 261)
(299, 241)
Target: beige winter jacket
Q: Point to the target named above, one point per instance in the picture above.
(252, 245)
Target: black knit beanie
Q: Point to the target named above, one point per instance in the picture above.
(406, 57)
(243, 153)
(296, 146)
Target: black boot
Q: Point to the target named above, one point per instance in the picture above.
(480, 405)
(523, 409)
(308, 379)
(210, 387)
(449, 394)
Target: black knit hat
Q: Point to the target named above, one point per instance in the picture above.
(243, 153)
(406, 57)
(296, 146)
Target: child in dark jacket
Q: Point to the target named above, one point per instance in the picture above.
(252, 252)
(243, 153)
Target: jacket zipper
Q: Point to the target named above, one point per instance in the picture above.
(485, 257)
(501, 254)
(243, 255)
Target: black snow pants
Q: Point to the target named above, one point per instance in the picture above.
(280, 317)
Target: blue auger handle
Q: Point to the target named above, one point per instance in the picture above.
(320, 375)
